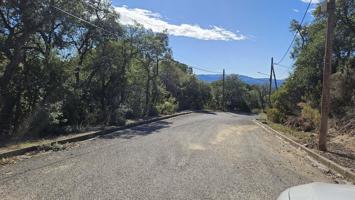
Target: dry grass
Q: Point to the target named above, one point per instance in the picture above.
(302, 137)
(299, 136)
(6, 161)
(23, 144)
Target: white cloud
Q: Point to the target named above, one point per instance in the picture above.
(295, 10)
(311, 10)
(313, 1)
(155, 22)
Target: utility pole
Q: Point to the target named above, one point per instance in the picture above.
(326, 75)
(223, 90)
(271, 70)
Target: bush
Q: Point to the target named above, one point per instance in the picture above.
(280, 100)
(310, 114)
(168, 107)
(274, 115)
(256, 111)
(343, 92)
(130, 114)
(300, 123)
(118, 117)
(37, 123)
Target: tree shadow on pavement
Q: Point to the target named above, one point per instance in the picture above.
(141, 130)
(205, 112)
(242, 113)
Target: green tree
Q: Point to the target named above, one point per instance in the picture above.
(305, 84)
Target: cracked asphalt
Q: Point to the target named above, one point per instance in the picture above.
(196, 156)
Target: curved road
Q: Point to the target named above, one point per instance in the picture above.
(196, 156)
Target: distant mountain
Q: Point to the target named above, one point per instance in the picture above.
(209, 78)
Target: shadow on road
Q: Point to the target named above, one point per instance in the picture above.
(205, 112)
(142, 130)
(242, 113)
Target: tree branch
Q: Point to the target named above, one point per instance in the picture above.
(7, 25)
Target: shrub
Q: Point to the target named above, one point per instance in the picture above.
(300, 123)
(310, 114)
(44, 121)
(168, 107)
(274, 115)
(37, 123)
(130, 114)
(256, 111)
(280, 100)
(118, 117)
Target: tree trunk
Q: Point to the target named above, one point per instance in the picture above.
(155, 93)
(147, 94)
(6, 116)
(102, 99)
(6, 97)
(124, 81)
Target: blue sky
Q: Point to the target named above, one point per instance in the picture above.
(238, 35)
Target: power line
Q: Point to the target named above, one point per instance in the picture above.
(283, 66)
(83, 20)
(295, 36)
(204, 70)
(98, 27)
(193, 67)
(93, 6)
(263, 73)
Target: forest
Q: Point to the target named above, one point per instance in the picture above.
(67, 65)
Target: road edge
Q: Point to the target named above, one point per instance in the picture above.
(21, 151)
(323, 160)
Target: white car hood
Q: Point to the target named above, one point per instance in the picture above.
(319, 191)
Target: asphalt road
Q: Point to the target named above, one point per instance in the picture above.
(196, 156)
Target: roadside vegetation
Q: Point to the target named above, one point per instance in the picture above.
(297, 103)
(68, 65)
(295, 106)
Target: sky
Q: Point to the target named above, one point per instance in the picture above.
(239, 36)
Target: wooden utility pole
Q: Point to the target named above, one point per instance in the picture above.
(271, 70)
(223, 90)
(326, 76)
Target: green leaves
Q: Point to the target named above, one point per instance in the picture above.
(304, 85)
(69, 63)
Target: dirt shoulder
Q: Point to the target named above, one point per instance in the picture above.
(341, 147)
